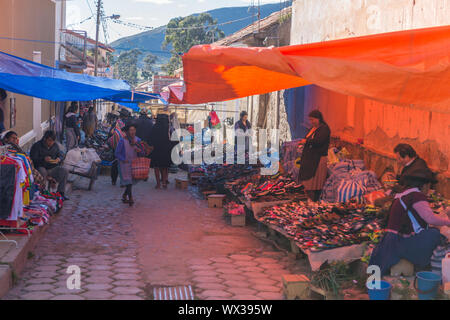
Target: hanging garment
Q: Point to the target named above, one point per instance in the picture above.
(7, 189)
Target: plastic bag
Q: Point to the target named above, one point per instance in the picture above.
(80, 160)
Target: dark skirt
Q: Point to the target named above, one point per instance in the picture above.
(317, 182)
(417, 249)
(161, 157)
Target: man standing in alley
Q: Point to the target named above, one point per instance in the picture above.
(90, 122)
(47, 158)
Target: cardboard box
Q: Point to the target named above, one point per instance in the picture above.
(295, 286)
(181, 183)
(216, 200)
(238, 220)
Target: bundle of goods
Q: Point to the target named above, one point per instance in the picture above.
(80, 160)
(219, 174)
(349, 181)
(322, 226)
(268, 188)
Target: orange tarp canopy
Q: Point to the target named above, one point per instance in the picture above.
(401, 68)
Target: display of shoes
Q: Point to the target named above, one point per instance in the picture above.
(322, 226)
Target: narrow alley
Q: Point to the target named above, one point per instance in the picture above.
(170, 237)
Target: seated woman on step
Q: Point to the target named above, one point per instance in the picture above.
(408, 235)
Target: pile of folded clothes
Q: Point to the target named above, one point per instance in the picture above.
(39, 211)
(322, 226)
(268, 188)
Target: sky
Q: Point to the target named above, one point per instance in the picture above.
(153, 13)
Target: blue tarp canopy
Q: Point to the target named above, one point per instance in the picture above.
(137, 96)
(131, 105)
(32, 79)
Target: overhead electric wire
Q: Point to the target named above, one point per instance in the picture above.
(81, 22)
(89, 5)
(180, 28)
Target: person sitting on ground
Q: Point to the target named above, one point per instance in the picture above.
(409, 161)
(11, 138)
(47, 158)
(408, 233)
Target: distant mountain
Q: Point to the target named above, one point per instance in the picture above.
(151, 41)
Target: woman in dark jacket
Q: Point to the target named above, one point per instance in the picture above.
(161, 156)
(313, 165)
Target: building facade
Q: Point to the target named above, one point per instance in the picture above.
(30, 30)
(266, 111)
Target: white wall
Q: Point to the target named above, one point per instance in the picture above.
(322, 20)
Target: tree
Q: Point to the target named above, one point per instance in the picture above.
(127, 66)
(147, 70)
(184, 33)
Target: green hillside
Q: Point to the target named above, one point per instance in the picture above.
(151, 41)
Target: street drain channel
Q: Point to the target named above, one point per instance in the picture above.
(173, 293)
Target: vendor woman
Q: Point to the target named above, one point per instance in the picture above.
(313, 163)
(408, 235)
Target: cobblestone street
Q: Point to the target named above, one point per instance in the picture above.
(170, 237)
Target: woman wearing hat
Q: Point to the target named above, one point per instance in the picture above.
(128, 149)
(313, 164)
(408, 233)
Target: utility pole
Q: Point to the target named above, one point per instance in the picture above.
(99, 4)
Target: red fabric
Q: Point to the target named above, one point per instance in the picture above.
(214, 118)
(402, 68)
(140, 168)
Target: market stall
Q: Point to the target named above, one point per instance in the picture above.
(24, 202)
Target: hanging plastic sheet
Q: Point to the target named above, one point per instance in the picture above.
(410, 68)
